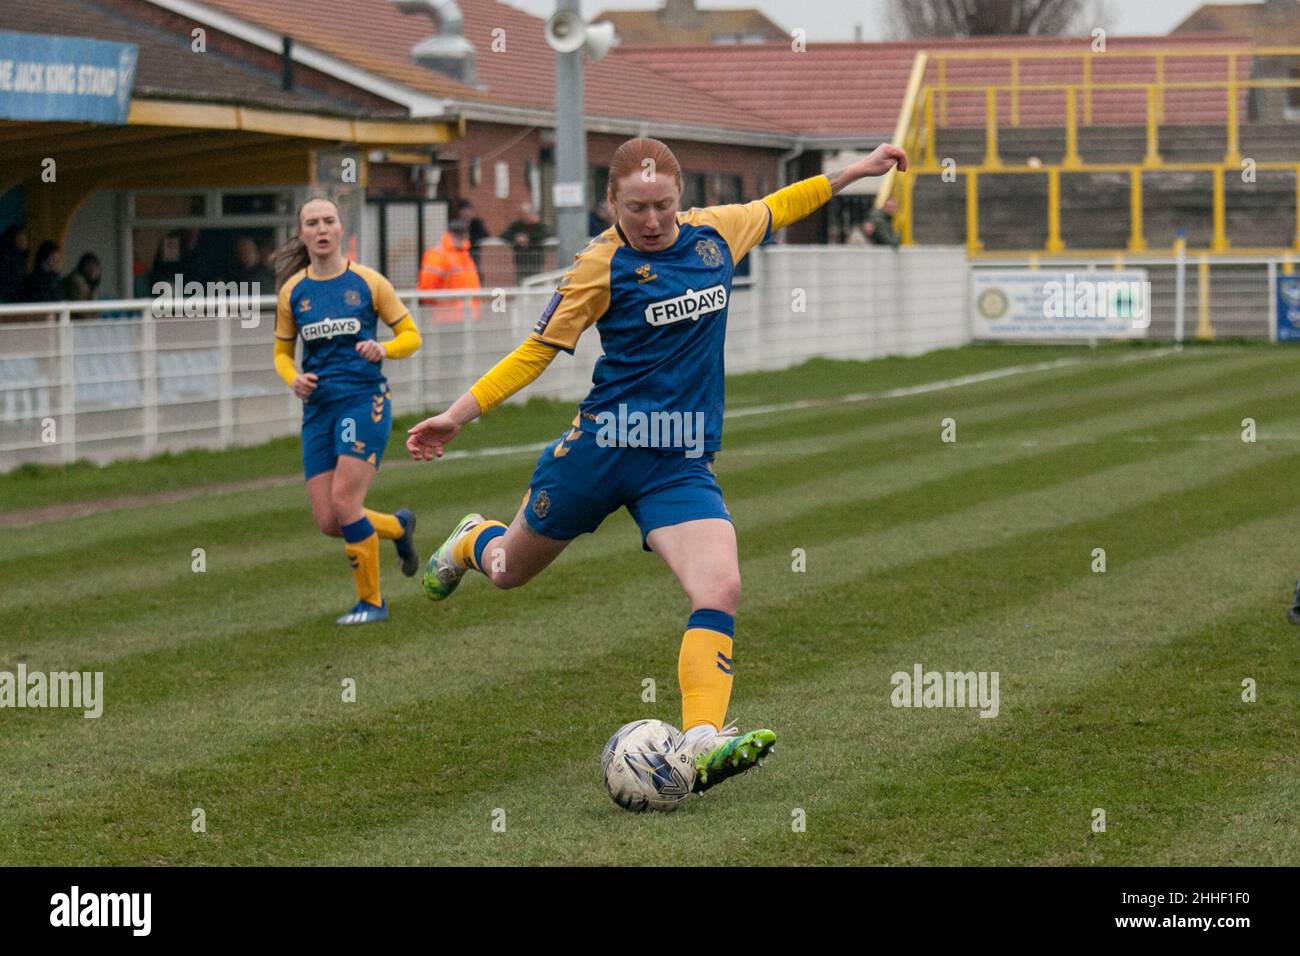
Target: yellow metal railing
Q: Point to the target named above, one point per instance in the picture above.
(918, 123)
(1232, 57)
(1070, 94)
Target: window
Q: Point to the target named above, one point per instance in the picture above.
(710, 189)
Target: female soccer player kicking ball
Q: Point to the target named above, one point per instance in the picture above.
(334, 305)
(656, 286)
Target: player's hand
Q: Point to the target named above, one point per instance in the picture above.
(304, 385)
(371, 351)
(427, 440)
(882, 159)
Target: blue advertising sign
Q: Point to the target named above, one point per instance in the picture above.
(1288, 308)
(65, 78)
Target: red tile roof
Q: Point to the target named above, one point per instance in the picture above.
(858, 88)
(374, 35)
(166, 67)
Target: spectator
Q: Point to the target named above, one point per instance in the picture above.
(526, 235)
(478, 230)
(247, 267)
(43, 283)
(879, 227)
(449, 266)
(600, 219)
(15, 244)
(179, 254)
(81, 283)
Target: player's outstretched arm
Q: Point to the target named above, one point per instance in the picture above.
(521, 367)
(427, 440)
(801, 199)
(882, 159)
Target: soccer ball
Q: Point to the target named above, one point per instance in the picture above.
(646, 766)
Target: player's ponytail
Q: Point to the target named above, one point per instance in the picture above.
(292, 256)
(632, 157)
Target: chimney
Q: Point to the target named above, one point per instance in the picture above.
(679, 13)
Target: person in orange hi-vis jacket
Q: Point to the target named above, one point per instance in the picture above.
(448, 266)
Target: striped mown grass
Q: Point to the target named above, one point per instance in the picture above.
(1120, 691)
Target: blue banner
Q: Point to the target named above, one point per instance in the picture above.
(1288, 308)
(65, 78)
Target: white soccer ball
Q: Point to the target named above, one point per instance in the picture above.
(646, 766)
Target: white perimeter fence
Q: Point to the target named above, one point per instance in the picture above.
(1191, 296)
(128, 387)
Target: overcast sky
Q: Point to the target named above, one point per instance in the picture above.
(834, 19)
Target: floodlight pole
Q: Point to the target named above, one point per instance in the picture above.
(570, 150)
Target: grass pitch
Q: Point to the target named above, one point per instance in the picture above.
(1119, 690)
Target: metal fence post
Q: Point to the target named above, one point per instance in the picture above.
(225, 379)
(68, 385)
(1272, 300)
(149, 381)
(1180, 289)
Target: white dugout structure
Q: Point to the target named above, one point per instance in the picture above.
(132, 386)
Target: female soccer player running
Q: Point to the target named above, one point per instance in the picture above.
(656, 285)
(334, 305)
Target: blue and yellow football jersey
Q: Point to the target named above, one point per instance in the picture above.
(662, 316)
(332, 315)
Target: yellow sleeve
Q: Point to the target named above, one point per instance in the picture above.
(407, 340)
(741, 225)
(580, 299)
(798, 200)
(284, 367)
(383, 296)
(285, 326)
(519, 368)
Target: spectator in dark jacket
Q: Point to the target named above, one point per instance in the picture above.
(879, 226)
(526, 234)
(246, 266)
(478, 230)
(80, 284)
(15, 245)
(43, 283)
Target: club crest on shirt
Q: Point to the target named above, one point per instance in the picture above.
(542, 504)
(709, 252)
(352, 297)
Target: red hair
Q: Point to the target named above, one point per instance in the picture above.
(631, 158)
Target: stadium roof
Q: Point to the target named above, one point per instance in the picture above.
(835, 90)
(167, 68)
(517, 85)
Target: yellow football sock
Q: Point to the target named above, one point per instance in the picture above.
(704, 668)
(362, 547)
(388, 527)
(467, 550)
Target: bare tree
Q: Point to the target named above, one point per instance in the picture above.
(971, 18)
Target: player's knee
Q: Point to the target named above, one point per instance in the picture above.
(722, 593)
(343, 507)
(328, 525)
(505, 580)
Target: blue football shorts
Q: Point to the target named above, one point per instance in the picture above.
(357, 426)
(577, 483)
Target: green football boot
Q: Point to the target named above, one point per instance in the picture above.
(724, 756)
(442, 574)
